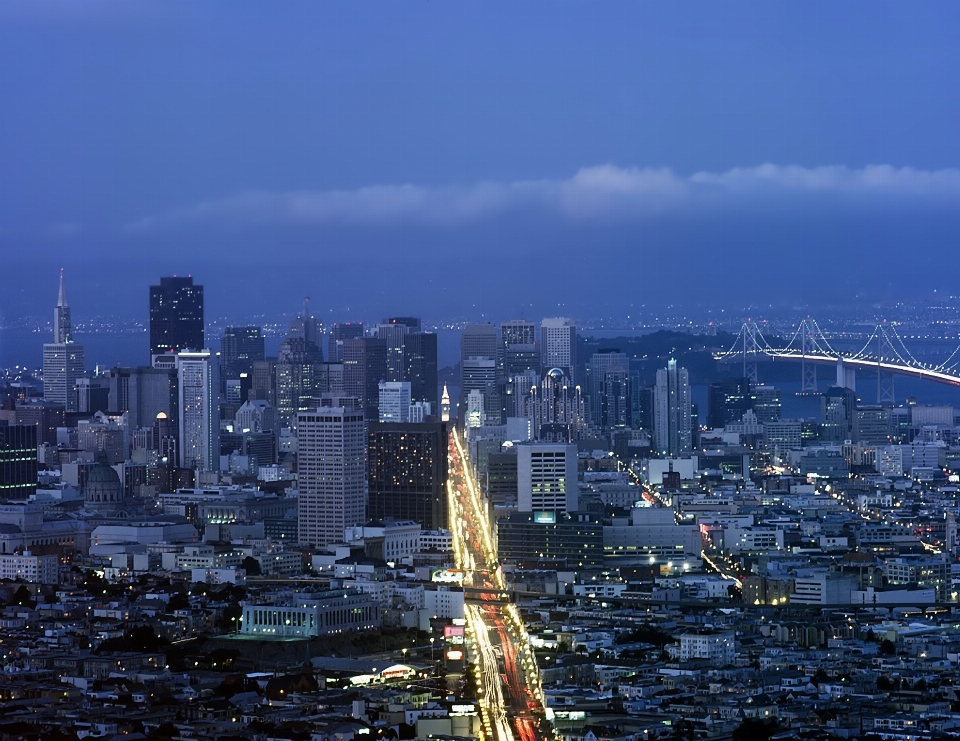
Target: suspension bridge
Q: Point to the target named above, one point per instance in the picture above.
(884, 353)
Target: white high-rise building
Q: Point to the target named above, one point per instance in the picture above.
(547, 478)
(672, 422)
(332, 473)
(63, 359)
(199, 410)
(558, 346)
(395, 398)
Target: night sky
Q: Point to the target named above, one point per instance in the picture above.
(467, 159)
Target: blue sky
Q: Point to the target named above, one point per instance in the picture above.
(464, 157)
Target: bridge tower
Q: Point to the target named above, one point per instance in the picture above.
(885, 351)
(808, 369)
(751, 348)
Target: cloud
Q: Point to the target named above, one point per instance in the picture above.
(604, 193)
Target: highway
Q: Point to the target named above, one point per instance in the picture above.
(512, 705)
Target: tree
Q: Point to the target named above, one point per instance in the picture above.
(887, 648)
(251, 566)
(178, 601)
(753, 729)
(22, 596)
(885, 684)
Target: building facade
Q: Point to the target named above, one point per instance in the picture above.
(332, 473)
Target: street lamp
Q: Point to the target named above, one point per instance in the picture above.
(433, 656)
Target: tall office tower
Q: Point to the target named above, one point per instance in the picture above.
(264, 384)
(62, 325)
(297, 377)
(93, 395)
(339, 333)
(199, 411)
(479, 348)
(63, 359)
(478, 341)
(838, 415)
(142, 394)
(46, 416)
(501, 484)
(547, 478)
(558, 346)
(727, 401)
(556, 409)
(873, 425)
(609, 388)
(364, 366)
(332, 473)
(420, 367)
(393, 331)
(394, 403)
(176, 316)
(518, 332)
(306, 327)
(407, 476)
(18, 461)
(765, 402)
(672, 423)
(240, 349)
(519, 351)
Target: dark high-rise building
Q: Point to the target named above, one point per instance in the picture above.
(176, 316)
(240, 349)
(838, 410)
(43, 415)
(338, 334)
(420, 367)
(727, 401)
(264, 383)
(519, 351)
(364, 366)
(297, 377)
(393, 333)
(18, 461)
(407, 474)
(143, 393)
(765, 402)
(502, 480)
(608, 376)
(575, 538)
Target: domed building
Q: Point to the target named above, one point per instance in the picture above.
(103, 491)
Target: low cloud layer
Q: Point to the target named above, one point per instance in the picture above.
(604, 193)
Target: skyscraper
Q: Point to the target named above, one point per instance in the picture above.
(408, 473)
(18, 461)
(240, 349)
(199, 411)
(558, 346)
(673, 424)
(332, 473)
(478, 366)
(394, 403)
(547, 478)
(62, 326)
(176, 316)
(63, 359)
(420, 367)
(339, 333)
(727, 401)
(393, 331)
(364, 366)
(609, 389)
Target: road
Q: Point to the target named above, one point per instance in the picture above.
(512, 703)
